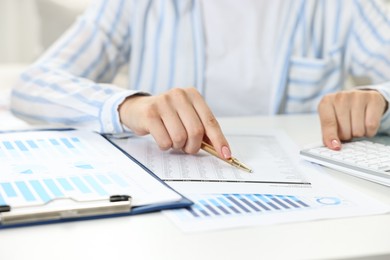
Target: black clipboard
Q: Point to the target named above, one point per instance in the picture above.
(77, 210)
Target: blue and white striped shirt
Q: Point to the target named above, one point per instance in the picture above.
(317, 44)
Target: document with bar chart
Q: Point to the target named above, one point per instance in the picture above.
(238, 205)
(221, 205)
(40, 166)
(281, 189)
(221, 211)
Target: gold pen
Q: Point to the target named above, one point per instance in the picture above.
(232, 161)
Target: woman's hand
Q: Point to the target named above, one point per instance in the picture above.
(178, 119)
(349, 114)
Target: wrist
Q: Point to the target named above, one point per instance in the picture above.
(127, 108)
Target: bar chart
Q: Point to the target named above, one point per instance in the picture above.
(40, 191)
(38, 167)
(59, 174)
(219, 211)
(40, 148)
(233, 204)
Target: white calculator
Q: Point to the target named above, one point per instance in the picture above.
(367, 158)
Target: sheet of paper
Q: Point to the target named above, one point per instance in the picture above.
(39, 166)
(238, 205)
(282, 189)
(264, 153)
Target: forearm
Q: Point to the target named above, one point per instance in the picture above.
(54, 96)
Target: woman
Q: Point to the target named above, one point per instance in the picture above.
(241, 58)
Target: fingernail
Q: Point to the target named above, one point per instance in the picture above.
(335, 144)
(226, 152)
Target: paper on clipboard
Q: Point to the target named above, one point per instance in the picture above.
(39, 167)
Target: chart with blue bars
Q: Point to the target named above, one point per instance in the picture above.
(38, 169)
(33, 147)
(39, 191)
(218, 206)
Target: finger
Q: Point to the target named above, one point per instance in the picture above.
(172, 122)
(176, 131)
(194, 128)
(160, 134)
(211, 126)
(329, 126)
(191, 124)
(358, 116)
(342, 108)
(374, 112)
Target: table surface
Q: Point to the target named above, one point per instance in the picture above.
(153, 236)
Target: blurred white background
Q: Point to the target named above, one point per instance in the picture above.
(27, 27)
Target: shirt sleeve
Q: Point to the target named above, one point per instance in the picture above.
(369, 48)
(69, 84)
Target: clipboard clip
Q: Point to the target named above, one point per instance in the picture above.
(64, 208)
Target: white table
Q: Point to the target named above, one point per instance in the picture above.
(153, 236)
